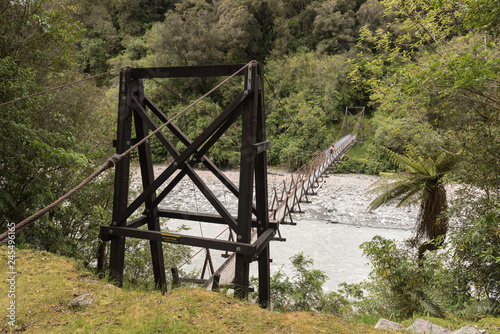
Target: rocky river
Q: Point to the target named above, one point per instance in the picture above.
(329, 231)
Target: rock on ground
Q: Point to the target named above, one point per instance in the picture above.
(387, 324)
(82, 300)
(426, 327)
(422, 326)
(470, 330)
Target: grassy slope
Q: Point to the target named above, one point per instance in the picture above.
(47, 283)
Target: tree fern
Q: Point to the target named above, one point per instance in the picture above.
(420, 182)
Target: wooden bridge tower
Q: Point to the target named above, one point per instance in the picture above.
(354, 120)
(136, 111)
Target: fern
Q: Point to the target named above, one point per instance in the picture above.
(433, 302)
(481, 308)
(422, 184)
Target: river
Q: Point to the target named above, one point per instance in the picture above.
(329, 231)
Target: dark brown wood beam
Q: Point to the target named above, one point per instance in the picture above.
(186, 71)
(182, 239)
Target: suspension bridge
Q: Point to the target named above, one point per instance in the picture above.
(245, 234)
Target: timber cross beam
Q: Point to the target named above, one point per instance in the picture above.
(357, 118)
(138, 111)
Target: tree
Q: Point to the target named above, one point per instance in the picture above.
(309, 91)
(435, 86)
(134, 17)
(422, 183)
(45, 140)
(101, 40)
(303, 291)
(334, 26)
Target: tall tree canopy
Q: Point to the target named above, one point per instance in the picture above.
(49, 142)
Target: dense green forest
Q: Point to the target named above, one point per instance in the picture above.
(428, 73)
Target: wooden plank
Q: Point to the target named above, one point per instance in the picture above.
(147, 176)
(231, 246)
(202, 217)
(262, 146)
(122, 173)
(247, 165)
(263, 240)
(264, 232)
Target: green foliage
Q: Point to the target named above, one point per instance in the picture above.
(101, 40)
(138, 264)
(434, 85)
(397, 279)
(365, 158)
(335, 26)
(135, 17)
(308, 90)
(477, 249)
(40, 34)
(304, 290)
(421, 183)
(461, 280)
(360, 166)
(45, 148)
(482, 15)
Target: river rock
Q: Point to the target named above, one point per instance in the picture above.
(329, 207)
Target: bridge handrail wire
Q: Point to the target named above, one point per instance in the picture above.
(315, 165)
(339, 151)
(318, 153)
(111, 162)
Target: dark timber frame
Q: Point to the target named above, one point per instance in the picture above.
(133, 112)
(359, 120)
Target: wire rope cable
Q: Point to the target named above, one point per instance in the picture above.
(63, 86)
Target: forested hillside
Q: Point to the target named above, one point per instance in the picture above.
(428, 73)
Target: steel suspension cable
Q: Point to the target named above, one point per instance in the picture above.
(62, 86)
(111, 162)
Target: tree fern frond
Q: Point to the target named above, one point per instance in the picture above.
(432, 302)
(411, 197)
(409, 162)
(402, 189)
(423, 183)
(481, 308)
